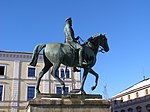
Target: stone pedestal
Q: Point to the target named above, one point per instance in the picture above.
(68, 103)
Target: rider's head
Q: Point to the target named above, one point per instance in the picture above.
(69, 21)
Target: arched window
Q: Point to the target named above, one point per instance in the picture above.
(137, 94)
(121, 99)
(67, 73)
(128, 97)
(122, 110)
(130, 110)
(139, 109)
(146, 91)
(148, 107)
(115, 102)
(57, 73)
(62, 73)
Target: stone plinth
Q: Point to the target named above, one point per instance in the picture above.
(68, 103)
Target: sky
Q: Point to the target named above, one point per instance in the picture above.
(26, 23)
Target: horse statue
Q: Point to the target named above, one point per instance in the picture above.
(55, 54)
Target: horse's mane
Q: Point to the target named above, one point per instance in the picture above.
(92, 38)
(96, 35)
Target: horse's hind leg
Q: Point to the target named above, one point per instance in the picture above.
(55, 68)
(47, 66)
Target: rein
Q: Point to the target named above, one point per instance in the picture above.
(92, 46)
(101, 49)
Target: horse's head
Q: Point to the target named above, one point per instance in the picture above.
(103, 42)
(98, 40)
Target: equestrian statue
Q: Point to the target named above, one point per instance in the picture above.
(72, 54)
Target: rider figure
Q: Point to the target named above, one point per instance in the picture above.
(72, 41)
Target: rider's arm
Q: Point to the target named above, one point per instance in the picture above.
(70, 32)
(77, 38)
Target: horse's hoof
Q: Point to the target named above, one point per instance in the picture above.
(83, 92)
(74, 91)
(38, 92)
(63, 88)
(32, 64)
(92, 88)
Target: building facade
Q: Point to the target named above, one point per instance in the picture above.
(18, 80)
(134, 99)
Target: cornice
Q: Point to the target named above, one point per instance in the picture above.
(8, 55)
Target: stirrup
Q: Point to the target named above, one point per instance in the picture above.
(83, 64)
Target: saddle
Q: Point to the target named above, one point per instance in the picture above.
(74, 52)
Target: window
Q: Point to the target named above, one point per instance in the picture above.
(31, 72)
(1, 92)
(60, 91)
(146, 91)
(139, 109)
(2, 70)
(115, 102)
(62, 73)
(128, 97)
(66, 90)
(57, 73)
(67, 73)
(121, 99)
(122, 111)
(30, 92)
(130, 110)
(148, 107)
(137, 94)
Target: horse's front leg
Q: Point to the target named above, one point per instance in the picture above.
(83, 80)
(96, 80)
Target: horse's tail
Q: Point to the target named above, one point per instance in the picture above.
(36, 52)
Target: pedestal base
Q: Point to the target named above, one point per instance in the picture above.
(68, 103)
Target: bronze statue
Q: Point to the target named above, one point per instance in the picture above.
(72, 41)
(55, 54)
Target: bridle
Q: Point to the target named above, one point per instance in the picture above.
(101, 49)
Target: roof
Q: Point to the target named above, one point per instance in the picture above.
(137, 86)
(7, 51)
(13, 55)
(19, 52)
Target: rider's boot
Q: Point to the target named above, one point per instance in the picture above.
(75, 69)
(81, 63)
